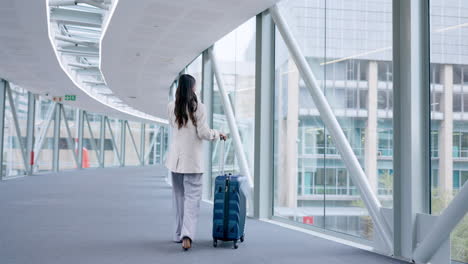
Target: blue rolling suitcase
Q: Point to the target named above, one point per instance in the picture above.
(229, 208)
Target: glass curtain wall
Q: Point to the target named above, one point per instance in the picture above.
(90, 155)
(42, 153)
(151, 136)
(348, 45)
(195, 69)
(112, 152)
(13, 163)
(44, 134)
(67, 143)
(131, 154)
(449, 111)
(236, 61)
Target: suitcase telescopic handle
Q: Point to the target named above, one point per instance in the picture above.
(221, 157)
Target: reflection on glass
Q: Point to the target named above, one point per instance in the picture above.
(67, 143)
(111, 151)
(44, 135)
(131, 155)
(90, 155)
(195, 69)
(348, 47)
(13, 164)
(449, 107)
(236, 60)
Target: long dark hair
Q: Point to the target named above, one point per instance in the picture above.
(186, 101)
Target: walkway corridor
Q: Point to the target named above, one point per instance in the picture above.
(123, 215)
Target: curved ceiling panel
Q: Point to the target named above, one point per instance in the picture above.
(27, 57)
(75, 30)
(148, 42)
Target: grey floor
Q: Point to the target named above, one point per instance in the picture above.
(124, 216)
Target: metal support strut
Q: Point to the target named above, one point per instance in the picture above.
(352, 164)
(239, 149)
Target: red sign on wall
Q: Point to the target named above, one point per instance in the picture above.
(308, 220)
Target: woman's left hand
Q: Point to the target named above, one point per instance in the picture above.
(222, 136)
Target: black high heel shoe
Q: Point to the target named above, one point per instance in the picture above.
(186, 243)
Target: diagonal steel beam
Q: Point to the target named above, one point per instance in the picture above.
(153, 142)
(76, 17)
(70, 142)
(98, 4)
(342, 144)
(239, 148)
(443, 226)
(93, 142)
(113, 141)
(133, 140)
(77, 41)
(17, 126)
(43, 133)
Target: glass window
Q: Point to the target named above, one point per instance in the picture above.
(449, 76)
(67, 143)
(131, 155)
(351, 62)
(195, 69)
(236, 60)
(112, 152)
(150, 144)
(44, 135)
(13, 163)
(457, 74)
(457, 102)
(90, 155)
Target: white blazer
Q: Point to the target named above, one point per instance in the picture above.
(186, 147)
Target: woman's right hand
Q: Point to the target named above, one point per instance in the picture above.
(222, 136)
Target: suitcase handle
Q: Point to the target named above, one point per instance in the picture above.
(221, 157)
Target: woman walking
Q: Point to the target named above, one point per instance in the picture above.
(187, 118)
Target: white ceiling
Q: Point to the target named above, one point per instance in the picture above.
(166, 34)
(148, 42)
(28, 59)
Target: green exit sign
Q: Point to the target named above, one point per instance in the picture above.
(70, 97)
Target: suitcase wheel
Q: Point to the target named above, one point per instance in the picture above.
(235, 244)
(242, 238)
(215, 243)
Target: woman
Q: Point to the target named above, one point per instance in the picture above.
(187, 118)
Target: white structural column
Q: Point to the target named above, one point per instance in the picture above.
(30, 131)
(239, 149)
(80, 130)
(207, 99)
(288, 131)
(123, 140)
(446, 135)
(349, 158)
(371, 127)
(56, 146)
(264, 115)
(142, 144)
(102, 141)
(2, 122)
(410, 120)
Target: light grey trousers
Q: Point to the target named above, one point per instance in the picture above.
(186, 196)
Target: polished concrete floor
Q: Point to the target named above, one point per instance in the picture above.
(123, 215)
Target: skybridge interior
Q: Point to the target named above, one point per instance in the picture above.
(349, 120)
